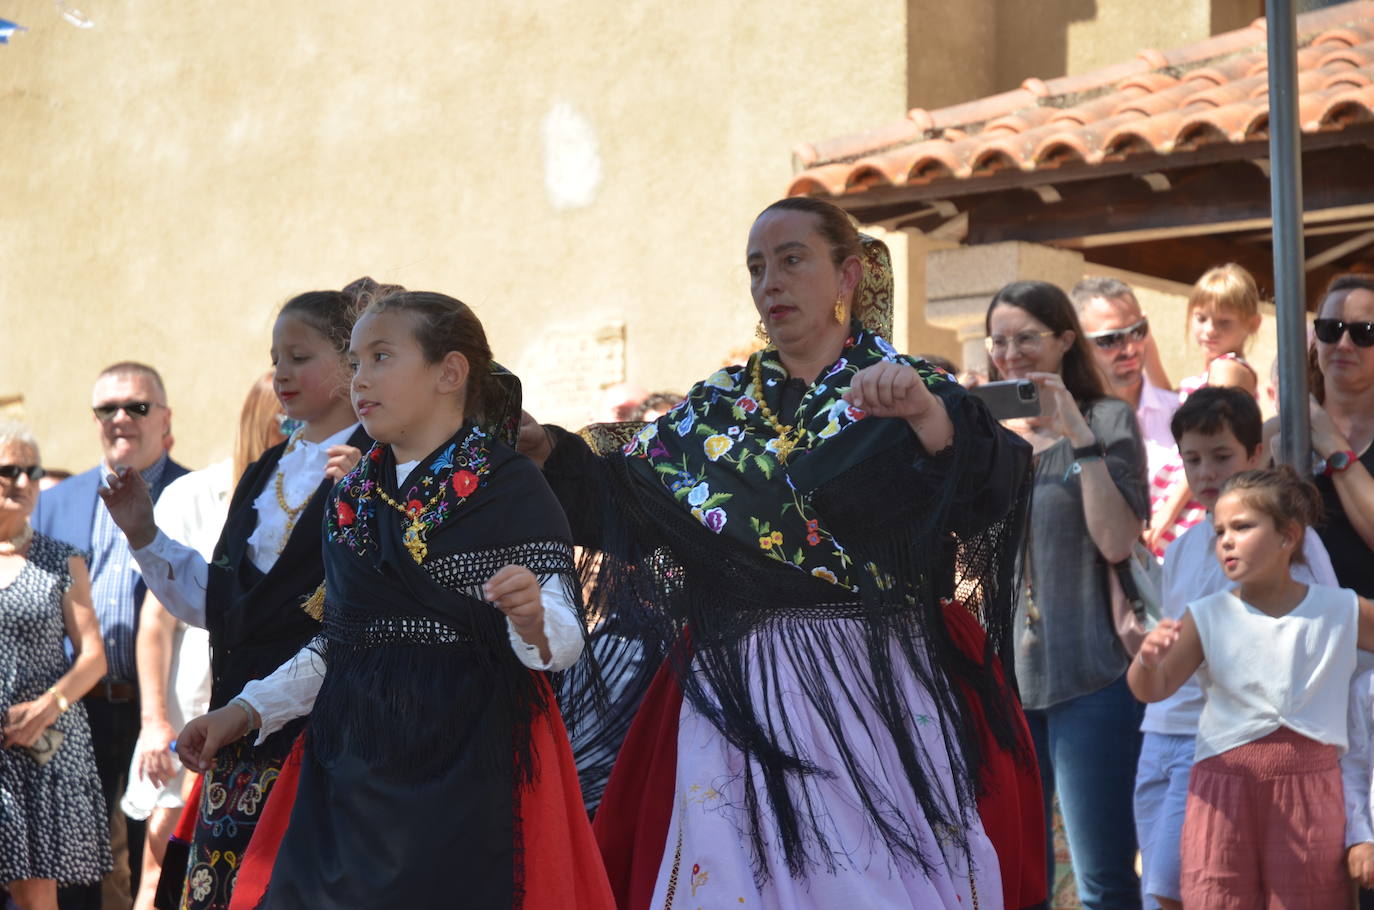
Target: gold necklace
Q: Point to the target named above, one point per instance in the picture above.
(786, 442)
(414, 535)
(18, 542)
(292, 512)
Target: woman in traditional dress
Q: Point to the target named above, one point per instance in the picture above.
(787, 536)
(436, 770)
(266, 564)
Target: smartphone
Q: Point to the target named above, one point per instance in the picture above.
(1009, 398)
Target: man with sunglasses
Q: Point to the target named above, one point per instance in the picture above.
(1119, 336)
(130, 411)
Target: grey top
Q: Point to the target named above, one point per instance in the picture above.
(1072, 649)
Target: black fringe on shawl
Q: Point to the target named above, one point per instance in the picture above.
(664, 579)
(402, 684)
(600, 694)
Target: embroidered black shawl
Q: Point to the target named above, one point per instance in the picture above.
(425, 710)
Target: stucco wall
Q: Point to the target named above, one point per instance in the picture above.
(172, 174)
(962, 51)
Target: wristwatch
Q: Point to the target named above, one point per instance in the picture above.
(1338, 461)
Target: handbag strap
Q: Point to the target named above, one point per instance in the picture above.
(1128, 586)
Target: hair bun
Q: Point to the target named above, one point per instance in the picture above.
(365, 291)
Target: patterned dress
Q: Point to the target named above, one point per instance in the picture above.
(52, 816)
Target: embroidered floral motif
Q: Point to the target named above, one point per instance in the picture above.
(699, 877)
(201, 883)
(234, 792)
(714, 519)
(464, 482)
(720, 431)
(717, 446)
(723, 379)
(459, 468)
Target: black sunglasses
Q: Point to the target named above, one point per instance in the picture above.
(1329, 331)
(134, 409)
(12, 471)
(1112, 339)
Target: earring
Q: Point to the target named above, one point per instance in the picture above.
(839, 310)
(760, 332)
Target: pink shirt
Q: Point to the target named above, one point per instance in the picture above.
(1156, 409)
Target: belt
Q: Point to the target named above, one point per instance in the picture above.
(114, 691)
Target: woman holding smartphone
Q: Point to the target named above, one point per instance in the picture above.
(1088, 505)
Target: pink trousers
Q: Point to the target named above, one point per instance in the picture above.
(1265, 828)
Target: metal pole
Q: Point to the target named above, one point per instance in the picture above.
(1285, 193)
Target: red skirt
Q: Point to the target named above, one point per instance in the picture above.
(632, 824)
(562, 866)
(1265, 826)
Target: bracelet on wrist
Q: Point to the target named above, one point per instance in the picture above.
(1095, 449)
(62, 703)
(254, 721)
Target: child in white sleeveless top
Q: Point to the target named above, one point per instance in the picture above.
(1219, 434)
(1265, 820)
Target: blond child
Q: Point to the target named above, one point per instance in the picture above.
(1223, 315)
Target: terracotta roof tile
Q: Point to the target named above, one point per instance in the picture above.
(1021, 122)
(1213, 91)
(1348, 108)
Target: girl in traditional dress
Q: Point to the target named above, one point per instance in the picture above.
(436, 770)
(266, 564)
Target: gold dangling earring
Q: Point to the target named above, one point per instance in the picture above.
(839, 310)
(761, 333)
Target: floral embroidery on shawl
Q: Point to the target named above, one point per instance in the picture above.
(717, 454)
(460, 470)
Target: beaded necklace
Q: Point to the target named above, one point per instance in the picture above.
(464, 477)
(292, 512)
(414, 534)
(18, 542)
(786, 440)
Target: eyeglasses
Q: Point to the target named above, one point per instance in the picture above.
(13, 471)
(1329, 331)
(132, 408)
(1112, 339)
(1023, 341)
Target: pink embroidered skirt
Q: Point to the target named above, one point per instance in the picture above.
(1265, 828)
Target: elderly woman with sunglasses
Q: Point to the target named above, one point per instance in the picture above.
(1088, 503)
(1342, 381)
(52, 825)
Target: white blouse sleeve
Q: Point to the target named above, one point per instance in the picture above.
(287, 693)
(177, 576)
(561, 627)
(1356, 772)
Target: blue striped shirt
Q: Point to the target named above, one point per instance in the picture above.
(113, 585)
